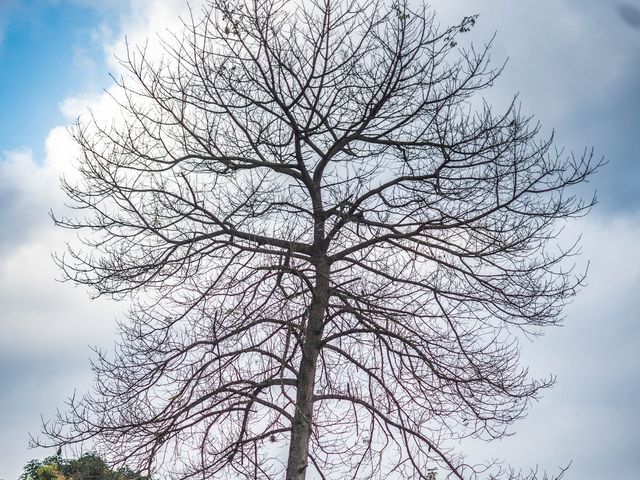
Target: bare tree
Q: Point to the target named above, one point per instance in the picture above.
(331, 245)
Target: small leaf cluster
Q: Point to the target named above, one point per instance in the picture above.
(88, 467)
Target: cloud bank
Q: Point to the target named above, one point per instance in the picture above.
(576, 68)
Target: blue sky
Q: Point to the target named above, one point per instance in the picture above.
(50, 50)
(576, 65)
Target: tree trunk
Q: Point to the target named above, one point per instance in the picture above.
(303, 416)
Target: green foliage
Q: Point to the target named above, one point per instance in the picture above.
(40, 469)
(88, 467)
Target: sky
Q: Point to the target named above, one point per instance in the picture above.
(576, 67)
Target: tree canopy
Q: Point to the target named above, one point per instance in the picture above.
(88, 466)
(330, 242)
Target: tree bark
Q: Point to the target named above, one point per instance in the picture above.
(303, 416)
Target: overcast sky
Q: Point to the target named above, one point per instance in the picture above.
(576, 65)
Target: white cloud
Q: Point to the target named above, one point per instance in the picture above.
(553, 46)
(24, 190)
(45, 326)
(563, 55)
(589, 416)
(36, 308)
(39, 313)
(145, 21)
